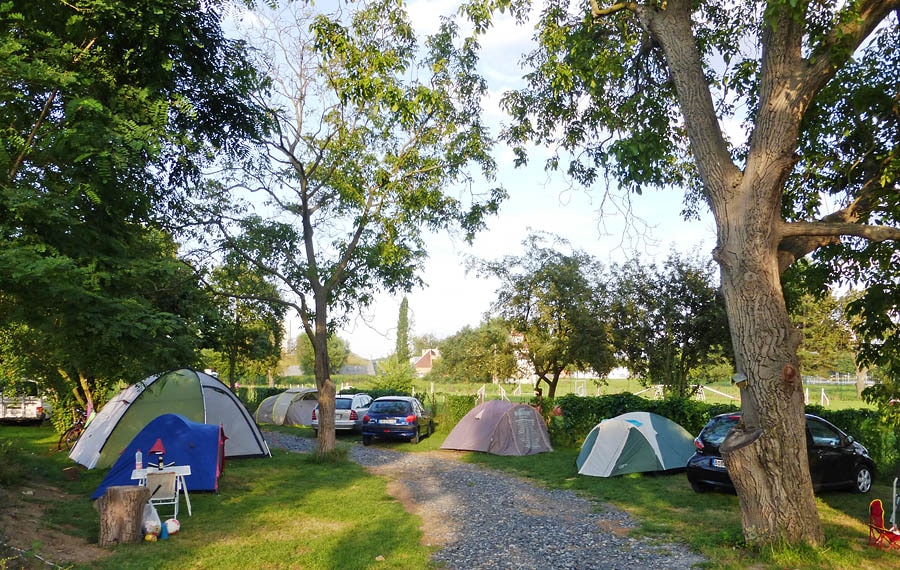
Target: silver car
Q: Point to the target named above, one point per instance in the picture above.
(349, 410)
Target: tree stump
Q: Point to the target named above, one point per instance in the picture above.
(121, 511)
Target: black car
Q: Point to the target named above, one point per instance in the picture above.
(836, 460)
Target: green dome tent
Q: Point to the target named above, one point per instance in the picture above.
(635, 442)
(197, 396)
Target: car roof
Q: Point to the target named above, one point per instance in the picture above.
(404, 398)
(738, 414)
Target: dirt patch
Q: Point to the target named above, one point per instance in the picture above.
(27, 542)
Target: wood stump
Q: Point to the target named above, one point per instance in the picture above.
(121, 511)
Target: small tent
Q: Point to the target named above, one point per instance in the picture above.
(635, 442)
(501, 428)
(202, 446)
(293, 407)
(195, 395)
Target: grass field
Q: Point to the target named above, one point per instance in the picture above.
(292, 512)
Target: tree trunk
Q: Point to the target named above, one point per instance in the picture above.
(766, 454)
(325, 413)
(121, 513)
(862, 375)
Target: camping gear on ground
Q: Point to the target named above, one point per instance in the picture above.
(879, 536)
(150, 522)
(164, 489)
(200, 446)
(293, 407)
(500, 427)
(635, 442)
(197, 396)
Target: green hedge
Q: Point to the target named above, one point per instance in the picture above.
(580, 414)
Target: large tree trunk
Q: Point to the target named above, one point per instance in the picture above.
(766, 454)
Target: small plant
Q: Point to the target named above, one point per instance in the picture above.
(11, 472)
(338, 455)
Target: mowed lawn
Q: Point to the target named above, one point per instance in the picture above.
(291, 512)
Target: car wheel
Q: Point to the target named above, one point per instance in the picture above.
(862, 479)
(415, 439)
(698, 487)
(367, 440)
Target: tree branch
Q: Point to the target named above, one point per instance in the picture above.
(843, 39)
(672, 28)
(837, 229)
(598, 12)
(802, 238)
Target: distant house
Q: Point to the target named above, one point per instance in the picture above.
(423, 364)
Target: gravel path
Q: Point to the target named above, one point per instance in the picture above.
(480, 518)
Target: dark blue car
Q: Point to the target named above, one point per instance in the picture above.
(396, 417)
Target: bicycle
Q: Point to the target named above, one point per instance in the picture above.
(68, 438)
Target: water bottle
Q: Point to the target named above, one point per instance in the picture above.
(138, 460)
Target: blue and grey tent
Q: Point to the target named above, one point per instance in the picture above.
(202, 446)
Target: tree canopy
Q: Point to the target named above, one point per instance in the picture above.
(110, 110)
(553, 301)
(668, 320)
(482, 354)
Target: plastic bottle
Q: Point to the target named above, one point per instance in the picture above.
(138, 460)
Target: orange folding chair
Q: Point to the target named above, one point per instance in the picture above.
(886, 539)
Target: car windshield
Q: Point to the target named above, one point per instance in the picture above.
(390, 407)
(342, 403)
(716, 430)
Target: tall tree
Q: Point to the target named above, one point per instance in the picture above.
(827, 346)
(375, 142)
(403, 331)
(110, 109)
(483, 354)
(338, 353)
(668, 320)
(549, 298)
(249, 328)
(642, 92)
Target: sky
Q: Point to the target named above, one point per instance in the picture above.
(453, 299)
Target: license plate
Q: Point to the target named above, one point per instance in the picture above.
(718, 463)
(387, 421)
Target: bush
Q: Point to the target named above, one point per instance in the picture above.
(581, 414)
(457, 407)
(11, 470)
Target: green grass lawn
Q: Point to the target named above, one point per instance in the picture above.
(291, 512)
(283, 512)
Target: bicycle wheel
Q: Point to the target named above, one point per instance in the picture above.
(71, 436)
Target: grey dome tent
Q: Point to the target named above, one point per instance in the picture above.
(635, 442)
(293, 407)
(195, 395)
(501, 428)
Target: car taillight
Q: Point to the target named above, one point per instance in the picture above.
(366, 419)
(314, 414)
(698, 444)
(353, 415)
(411, 419)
